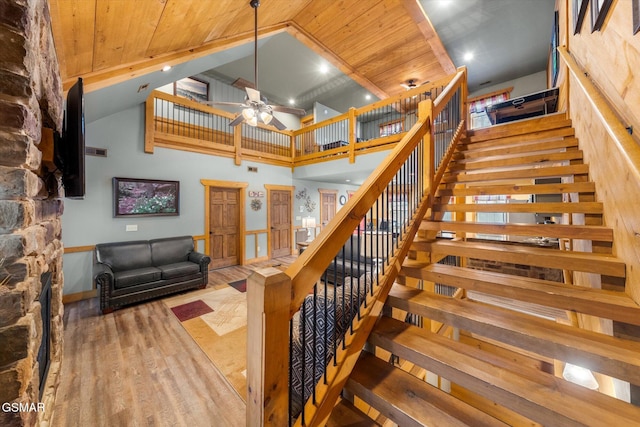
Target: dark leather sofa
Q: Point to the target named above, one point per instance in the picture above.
(349, 262)
(130, 272)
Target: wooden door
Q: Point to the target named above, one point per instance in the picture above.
(327, 205)
(224, 226)
(280, 218)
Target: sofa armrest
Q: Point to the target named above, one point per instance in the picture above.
(201, 259)
(102, 274)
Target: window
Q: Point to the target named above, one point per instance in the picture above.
(391, 128)
(477, 115)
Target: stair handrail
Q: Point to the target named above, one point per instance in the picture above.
(275, 296)
(627, 146)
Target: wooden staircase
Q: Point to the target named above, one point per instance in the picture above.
(493, 353)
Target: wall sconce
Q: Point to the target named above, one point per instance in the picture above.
(309, 222)
(579, 375)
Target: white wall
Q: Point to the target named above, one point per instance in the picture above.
(521, 86)
(90, 221)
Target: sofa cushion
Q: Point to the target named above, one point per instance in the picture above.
(124, 279)
(179, 269)
(124, 256)
(171, 250)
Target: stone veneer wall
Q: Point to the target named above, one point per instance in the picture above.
(30, 226)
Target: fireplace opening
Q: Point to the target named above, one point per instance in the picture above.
(44, 353)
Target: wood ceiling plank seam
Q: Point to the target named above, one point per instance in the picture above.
(113, 19)
(397, 44)
(420, 17)
(101, 79)
(319, 16)
(207, 14)
(146, 16)
(366, 30)
(380, 64)
(57, 31)
(78, 20)
(315, 45)
(166, 38)
(408, 69)
(222, 23)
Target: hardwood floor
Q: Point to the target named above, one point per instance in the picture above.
(138, 367)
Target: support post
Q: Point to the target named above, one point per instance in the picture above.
(237, 144)
(352, 135)
(149, 124)
(425, 112)
(268, 300)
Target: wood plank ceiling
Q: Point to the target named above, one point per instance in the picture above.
(378, 43)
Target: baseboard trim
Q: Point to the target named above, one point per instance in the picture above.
(259, 259)
(79, 296)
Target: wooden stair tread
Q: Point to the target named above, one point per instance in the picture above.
(603, 303)
(537, 395)
(346, 414)
(508, 189)
(408, 401)
(521, 160)
(587, 232)
(542, 257)
(542, 172)
(534, 126)
(599, 352)
(559, 207)
(469, 152)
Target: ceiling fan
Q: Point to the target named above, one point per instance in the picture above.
(255, 108)
(411, 84)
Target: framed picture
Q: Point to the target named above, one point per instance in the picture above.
(193, 89)
(145, 197)
(636, 16)
(579, 11)
(599, 10)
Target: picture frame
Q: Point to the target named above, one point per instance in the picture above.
(192, 89)
(134, 197)
(599, 11)
(636, 16)
(579, 12)
(554, 59)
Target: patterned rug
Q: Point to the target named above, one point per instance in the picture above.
(216, 319)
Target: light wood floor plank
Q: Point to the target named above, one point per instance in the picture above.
(137, 366)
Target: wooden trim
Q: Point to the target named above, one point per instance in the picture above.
(107, 77)
(275, 187)
(79, 296)
(76, 249)
(208, 183)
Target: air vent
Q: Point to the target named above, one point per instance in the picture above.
(485, 83)
(143, 87)
(93, 151)
(252, 168)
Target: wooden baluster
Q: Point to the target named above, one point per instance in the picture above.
(352, 135)
(268, 299)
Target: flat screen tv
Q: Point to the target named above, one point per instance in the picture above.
(69, 149)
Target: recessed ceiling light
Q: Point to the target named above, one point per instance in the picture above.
(292, 101)
(324, 68)
(166, 68)
(468, 56)
(348, 180)
(367, 97)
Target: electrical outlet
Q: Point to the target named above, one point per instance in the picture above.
(131, 227)
(301, 208)
(298, 218)
(258, 248)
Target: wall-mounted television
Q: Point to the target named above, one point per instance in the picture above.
(69, 148)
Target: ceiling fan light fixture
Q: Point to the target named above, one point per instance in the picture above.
(248, 113)
(253, 121)
(266, 117)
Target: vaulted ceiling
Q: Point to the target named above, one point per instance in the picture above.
(377, 43)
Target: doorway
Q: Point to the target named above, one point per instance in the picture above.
(280, 228)
(224, 222)
(328, 205)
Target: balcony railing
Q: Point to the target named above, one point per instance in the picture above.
(179, 123)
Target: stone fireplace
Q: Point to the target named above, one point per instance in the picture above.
(30, 208)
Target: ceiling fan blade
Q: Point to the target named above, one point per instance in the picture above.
(241, 83)
(290, 110)
(277, 123)
(254, 95)
(235, 122)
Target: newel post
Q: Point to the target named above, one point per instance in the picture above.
(268, 301)
(425, 112)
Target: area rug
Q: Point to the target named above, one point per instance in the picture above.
(216, 319)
